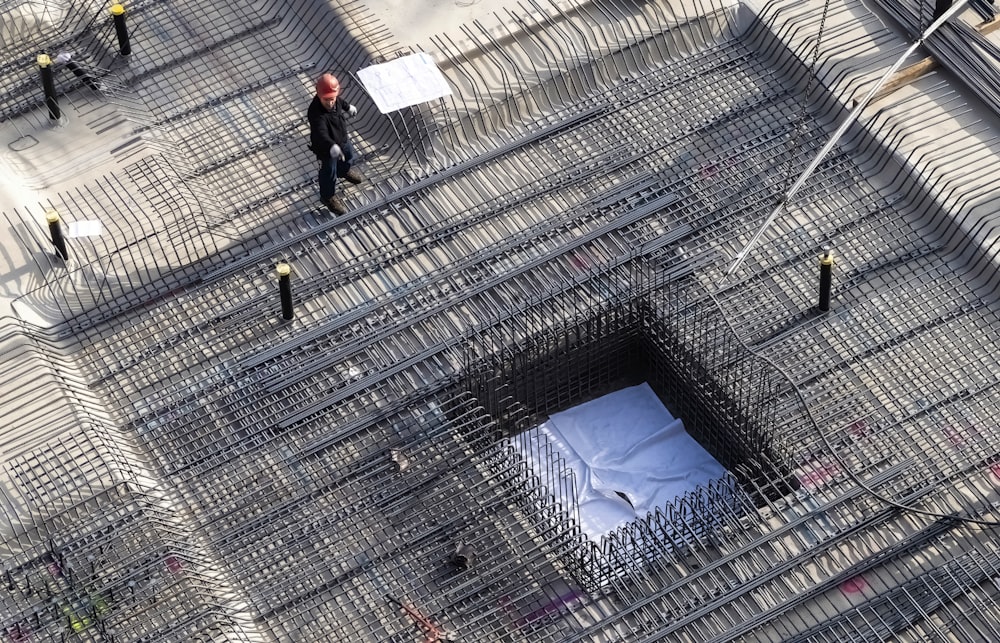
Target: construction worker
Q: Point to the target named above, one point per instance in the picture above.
(328, 114)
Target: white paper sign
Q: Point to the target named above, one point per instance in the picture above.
(405, 81)
(85, 229)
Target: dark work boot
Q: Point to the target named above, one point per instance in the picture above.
(335, 205)
(354, 176)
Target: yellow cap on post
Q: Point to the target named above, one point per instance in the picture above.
(283, 269)
(117, 9)
(43, 60)
(51, 216)
(826, 259)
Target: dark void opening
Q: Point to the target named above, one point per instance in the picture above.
(725, 396)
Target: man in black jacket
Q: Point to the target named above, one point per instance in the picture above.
(327, 115)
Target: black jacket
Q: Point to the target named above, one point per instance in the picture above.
(326, 127)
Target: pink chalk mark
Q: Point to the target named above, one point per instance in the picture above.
(817, 474)
(858, 429)
(954, 435)
(854, 585)
(708, 171)
(579, 261)
(995, 470)
(557, 606)
(174, 564)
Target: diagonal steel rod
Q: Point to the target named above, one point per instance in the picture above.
(851, 118)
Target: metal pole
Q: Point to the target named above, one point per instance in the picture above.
(285, 288)
(118, 15)
(851, 118)
(49, 86)
(825, 279)
(55, 232)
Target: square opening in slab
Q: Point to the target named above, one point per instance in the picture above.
(711, 395)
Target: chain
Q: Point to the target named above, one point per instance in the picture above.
(798, 128)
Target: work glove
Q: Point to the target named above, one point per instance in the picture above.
(336, 153)
(352, 111)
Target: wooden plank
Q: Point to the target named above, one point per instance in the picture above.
(911, 73)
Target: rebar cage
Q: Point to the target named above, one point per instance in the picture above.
(646, 330)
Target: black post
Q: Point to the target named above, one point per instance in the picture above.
(825, 279)
(49, 86)
(285, 288)
(55, 231)
(118, 15)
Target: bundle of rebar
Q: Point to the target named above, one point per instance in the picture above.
(958, 47)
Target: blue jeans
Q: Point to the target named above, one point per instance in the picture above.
(330, 170)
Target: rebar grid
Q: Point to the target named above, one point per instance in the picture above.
(397, 519)
(177, 75)
(546, 57)
(711, 595)
(243, 126)
(715, 600)
(130, 257)
(251, 103)
(105, 557)
(82, 27)
(958, 45)
(388, 278)
(284, 443)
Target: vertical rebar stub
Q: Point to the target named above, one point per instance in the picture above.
(121, 31)
(285, 290)
(55, 233)
(825, 278)
(464, 557)
(397, 456)
(49, 85)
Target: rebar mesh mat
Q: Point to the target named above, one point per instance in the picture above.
(342, 476)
